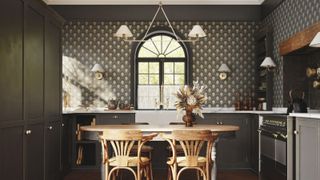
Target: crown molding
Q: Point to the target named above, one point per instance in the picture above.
(154, 2)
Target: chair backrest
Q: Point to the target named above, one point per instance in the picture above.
(192, 142)
(122, 142)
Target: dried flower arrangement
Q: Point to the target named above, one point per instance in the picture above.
(191, 99)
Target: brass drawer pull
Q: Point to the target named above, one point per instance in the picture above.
(115, 117)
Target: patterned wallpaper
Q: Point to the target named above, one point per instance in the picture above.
(88, 42)
(289, 18)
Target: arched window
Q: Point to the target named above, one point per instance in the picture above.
(161, 68)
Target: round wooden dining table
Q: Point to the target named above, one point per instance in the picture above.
(220, 129)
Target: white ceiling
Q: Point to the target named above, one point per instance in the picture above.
(152, 2)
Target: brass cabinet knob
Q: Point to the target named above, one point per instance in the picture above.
(28, 132)
(295, 132)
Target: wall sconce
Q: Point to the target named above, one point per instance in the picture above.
(98, 70)
(223, 71)
(313, 72)
(316, 84)
(268, 63)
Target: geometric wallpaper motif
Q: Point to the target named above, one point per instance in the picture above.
(85, 43)
(289, 18)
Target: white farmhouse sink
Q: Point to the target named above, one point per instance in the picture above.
(162, 117)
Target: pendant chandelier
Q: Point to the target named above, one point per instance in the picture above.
(194, 35)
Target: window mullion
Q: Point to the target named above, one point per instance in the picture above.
(161, 79)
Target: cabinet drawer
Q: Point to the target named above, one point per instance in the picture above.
(115, 118)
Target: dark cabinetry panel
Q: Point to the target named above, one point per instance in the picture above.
(52, 151)
(233, 149)
(52, 70)
(34, 152)
(33, 63)
(66, 146)
(115, 118)
(254, 158)
(11, 158)
(27, 42)
(11, 13)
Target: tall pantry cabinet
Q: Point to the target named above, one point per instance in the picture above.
(30, 91)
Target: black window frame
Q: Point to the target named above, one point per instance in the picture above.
(135, 60)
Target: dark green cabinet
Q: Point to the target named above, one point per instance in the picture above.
(11, 152)
(34, 152)
(52, 69)
(66, 145)
(254, 146)
(232, 149)
(52, 151)
(30, 84)
(33, 64)
(11, 64)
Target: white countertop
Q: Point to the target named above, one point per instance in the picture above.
(306, 115)
(205, 110)
(94, 110)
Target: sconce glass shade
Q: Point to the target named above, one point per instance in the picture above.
(196, 32)
(97, 68)
(316, 41)
(224, 68)
(268, 63)
(123, 32)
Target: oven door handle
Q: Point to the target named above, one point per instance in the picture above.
(283, 136)
(275, 135)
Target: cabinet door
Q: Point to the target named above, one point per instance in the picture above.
(34, 165)
(66, 140)
(33, 64)
(52, 151)
(233, 150)
(52, 71)
(254, 135)
(307, 149)
(11, 153)
(11, 20)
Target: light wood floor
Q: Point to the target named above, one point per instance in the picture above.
(161, 175)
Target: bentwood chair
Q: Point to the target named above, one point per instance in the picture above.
(145, 149)
(122, 142)
(192, 142)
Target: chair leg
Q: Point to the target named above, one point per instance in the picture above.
(169, 173)
(198, 175)
(150, 171)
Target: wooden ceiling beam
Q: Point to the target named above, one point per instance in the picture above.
(299, 40)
